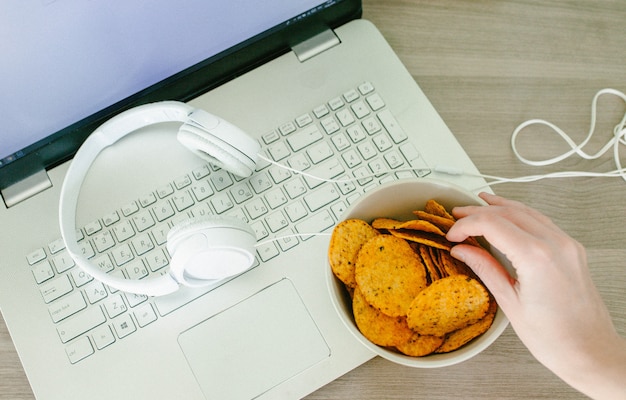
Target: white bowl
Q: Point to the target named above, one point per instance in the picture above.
(397, 200)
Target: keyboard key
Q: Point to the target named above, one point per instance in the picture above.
(80, 277)
(350, 95)
(304, 138)
(256, 208)
(157, 260)
(360, 109)
(221, 202)
(122, 254)
(115, 305)
(144, 315)
(80, 323)
(345, 117)
(142, 243)
(320, 111)
(201, 190)
(163, 211)
(182, 201)
(143, 221)
(147, 200)
(267, 251)
(104, 263)
(102, 337)
(79, 350)
(260, 182)
(55, 288)
(304, 120)
(111, 218)
(43, 271)
(95, 292)
(375, 102)
(259, 230)
(103, 241)
(67, 306)
(124, 326)
(327, 170)
(330, 125)
(371, 125)
(36, 256)
(279, 174)
(56, 246)
(392, 126)
(278, 151)
(201, 172)
(276, 221)
(136, 270)
(288, 242)
(340, 141)
(336, 103)
(319, 152)
(321, 197)
(299, 162)
(394, 159)
(356, 134)
(164, 191)
(316, 223)
(93, 227)
(275, 198)
(130, 208)
(270, 137)
(382, 142)
(182, 182)
(287, 128)
(365, 88)
(241, 192)
(295, 211)
(295, 188)
(124, 231)
(221, 180)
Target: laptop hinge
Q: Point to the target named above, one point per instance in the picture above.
(316, 45)
(26, 188)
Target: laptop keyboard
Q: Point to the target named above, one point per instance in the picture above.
(351, 136)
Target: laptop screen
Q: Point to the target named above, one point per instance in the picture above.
(68, 64)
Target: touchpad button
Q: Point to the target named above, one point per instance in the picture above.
(254, 345)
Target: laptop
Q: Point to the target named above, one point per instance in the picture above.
(321, 91)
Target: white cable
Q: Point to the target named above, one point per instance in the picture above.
(619, 133)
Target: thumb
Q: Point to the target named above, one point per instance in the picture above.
(489, 270)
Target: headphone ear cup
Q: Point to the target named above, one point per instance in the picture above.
(210, 249)
(220, 143)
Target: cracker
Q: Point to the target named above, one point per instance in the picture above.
(414, 224)
(345, 242)
(427, 238)
(377, 327)
(433, 207)
(441, 222)
(389, 274)
(458, 338)
(420, 345)
(448, 304)
(429, 263)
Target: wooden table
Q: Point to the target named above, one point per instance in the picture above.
(488, 66)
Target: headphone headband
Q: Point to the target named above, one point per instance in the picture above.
(106, 135)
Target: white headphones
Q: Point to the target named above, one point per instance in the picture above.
(202, 251)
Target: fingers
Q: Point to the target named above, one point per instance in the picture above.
(491, 272)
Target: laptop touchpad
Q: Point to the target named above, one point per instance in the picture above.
(254, 345)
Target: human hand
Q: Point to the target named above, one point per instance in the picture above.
(552, 303)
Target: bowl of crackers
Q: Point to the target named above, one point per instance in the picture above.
(395, 285)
